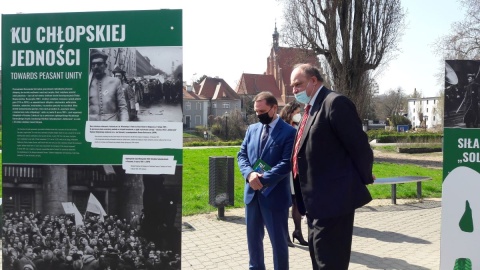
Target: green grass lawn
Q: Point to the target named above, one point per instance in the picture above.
(430, 189)
(195, 180)
(196, 166)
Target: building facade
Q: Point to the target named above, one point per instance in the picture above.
(424, 112)
(195, 109)
(211, 97)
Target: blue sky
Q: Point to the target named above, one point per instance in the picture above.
(226, 38)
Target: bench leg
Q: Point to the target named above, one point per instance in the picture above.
(419, 190)
(394, 193)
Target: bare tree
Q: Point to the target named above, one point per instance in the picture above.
(353, 36)
(463, 42)
(440, 110)
(229, 127)
(390, 103)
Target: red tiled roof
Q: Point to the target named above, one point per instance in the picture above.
(288, 57)
(191, 95)
(216, 88)
(252, 84)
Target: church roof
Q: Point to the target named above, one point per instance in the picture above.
(288, 57)
(252, 84)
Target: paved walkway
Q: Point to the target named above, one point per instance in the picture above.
(404, 236)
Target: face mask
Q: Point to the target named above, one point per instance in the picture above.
(296, 118)
(264, 118)
(302, 97)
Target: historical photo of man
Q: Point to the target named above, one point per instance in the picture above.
(106, 97)
(149, 79)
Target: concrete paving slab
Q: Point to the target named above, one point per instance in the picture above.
(404, 236)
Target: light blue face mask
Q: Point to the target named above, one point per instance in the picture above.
(302, 97)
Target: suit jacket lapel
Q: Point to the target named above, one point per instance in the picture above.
(257, 133)
(273, 134)
(313, 113)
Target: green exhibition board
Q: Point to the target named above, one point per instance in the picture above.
(45, 82)
(460, 231)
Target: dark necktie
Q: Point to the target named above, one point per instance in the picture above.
(298, 139)
(264, 138)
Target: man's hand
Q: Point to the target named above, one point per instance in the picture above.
(254, 180)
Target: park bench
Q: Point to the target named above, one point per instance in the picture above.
(400, 180)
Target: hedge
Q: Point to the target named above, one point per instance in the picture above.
(404, 137)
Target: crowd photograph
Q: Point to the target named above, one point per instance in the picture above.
(100, 218)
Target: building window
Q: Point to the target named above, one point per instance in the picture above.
(414, 102)
(187, 121)
(434, 101)
(434, 118)
(226, 105)
(199, 106)
(198, 120)
(214, 105)
(188, 105)
(427, 108)
(413, 109)
(413, 118)
(427, 101)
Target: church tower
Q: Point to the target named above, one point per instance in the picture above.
(275, 36)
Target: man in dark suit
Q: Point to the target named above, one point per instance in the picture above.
(267, 194)
(332, 164)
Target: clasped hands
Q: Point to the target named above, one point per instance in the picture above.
(254, 180)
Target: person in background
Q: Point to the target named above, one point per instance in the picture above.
(291, 115)
(128, 92)
(471, 99)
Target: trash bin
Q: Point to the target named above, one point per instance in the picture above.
(221, 185)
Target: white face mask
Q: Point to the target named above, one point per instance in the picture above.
(296, 118)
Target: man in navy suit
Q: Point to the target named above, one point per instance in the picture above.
(267, 194)
(332, 164)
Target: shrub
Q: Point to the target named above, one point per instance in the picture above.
(399, 120)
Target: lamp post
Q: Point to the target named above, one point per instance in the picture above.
(226, 125)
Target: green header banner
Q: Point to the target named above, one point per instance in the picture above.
(57, 109)
(461, 148)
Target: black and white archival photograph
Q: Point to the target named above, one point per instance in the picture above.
(90, 217)
(462, 93)
(136, 84)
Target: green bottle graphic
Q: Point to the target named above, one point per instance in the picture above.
(463, 264)
(466, 222)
